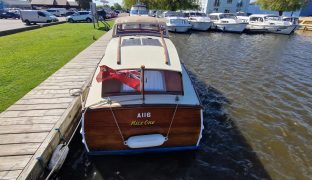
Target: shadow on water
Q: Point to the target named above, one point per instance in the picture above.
(224, 152)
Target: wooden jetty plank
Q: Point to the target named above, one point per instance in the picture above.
(8, 175)
(47, 96)
(23, 138)
(10, 163)
(29, 120)
(18, 149)
(32, 113)
(24, 107)
(31, 128)
(44, 101)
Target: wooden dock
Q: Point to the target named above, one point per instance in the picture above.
(27, 128)
(305, 23)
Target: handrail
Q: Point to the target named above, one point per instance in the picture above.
(165, 47)
(119, 51)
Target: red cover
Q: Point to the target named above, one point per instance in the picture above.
(131, 78)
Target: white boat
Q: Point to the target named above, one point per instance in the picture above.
(199, 21)
(227, 22)
(138, 10)
(141, 98)
(176, 22)
(270, 23)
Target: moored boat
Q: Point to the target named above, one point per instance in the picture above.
(176, 22)
(199, 21)
(270, 23)
(141, 98)
(138, 10)
(227, 22)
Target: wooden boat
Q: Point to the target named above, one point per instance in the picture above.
(141, 98)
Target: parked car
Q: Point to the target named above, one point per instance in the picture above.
(54, 12)
(57, 11)
(69, 13)
(80, 16)
(6, 15)
(37, 16)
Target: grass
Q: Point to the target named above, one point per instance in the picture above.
(28, 58)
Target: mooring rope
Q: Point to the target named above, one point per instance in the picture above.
(174, 113)
(116, 122)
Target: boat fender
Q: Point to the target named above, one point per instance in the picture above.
(144, 141)
(58, 157)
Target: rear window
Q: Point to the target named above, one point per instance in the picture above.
(155, 82)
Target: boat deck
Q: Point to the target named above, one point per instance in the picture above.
(27, 128)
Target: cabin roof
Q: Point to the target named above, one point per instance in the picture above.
(139, 19)
(220, 13)
(134, 53)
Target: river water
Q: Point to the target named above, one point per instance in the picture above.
(257, 95)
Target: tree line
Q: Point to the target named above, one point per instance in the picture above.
(282, 5)
(164, 4)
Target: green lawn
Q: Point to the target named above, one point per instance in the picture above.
(28, 58)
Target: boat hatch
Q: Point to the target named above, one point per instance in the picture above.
(140, 42)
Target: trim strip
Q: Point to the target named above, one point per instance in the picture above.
(144, 150)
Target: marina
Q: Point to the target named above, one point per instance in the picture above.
(257, 112)
(164, 94)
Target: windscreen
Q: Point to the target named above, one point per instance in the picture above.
(130, 82)
(140, 28)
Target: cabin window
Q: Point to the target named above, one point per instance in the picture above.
(226, 11)
(155, 82)
(229, 1)
(144, 28)
(214, 17)
(178, 21)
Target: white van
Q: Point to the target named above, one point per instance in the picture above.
(36, 16)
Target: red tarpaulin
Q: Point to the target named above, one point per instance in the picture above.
(128, 77)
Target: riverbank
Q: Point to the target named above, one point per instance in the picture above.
(28, 129)
(28, 58)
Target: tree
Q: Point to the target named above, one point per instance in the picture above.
(84, 4)
(117, 6)
(281, 5)
(164, 4)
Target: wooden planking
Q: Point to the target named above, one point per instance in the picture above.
(44, 101)
(22, 138)
(8, 175)
(102, 133)
(26, 128)
(10, 163)
(32, 113)
(18, 149)
(31, 128)
(28, 120)
(24, 107)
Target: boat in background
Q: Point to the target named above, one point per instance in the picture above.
(270, 23)
(176, 22)
(199, 21)
(138, 10)
(227, 22)
(141, 98)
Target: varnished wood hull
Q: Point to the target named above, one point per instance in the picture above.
(101, 132)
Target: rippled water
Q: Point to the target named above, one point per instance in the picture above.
(257, 95)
